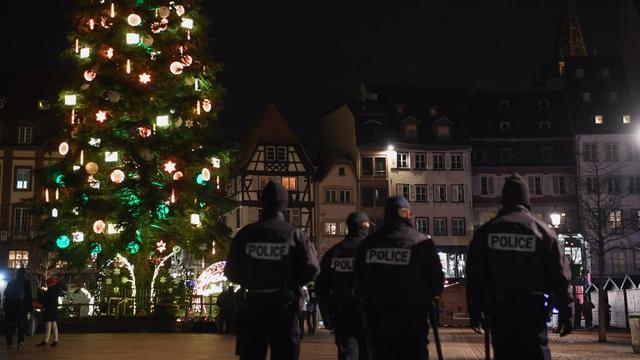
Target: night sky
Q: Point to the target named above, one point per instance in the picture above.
(308, 56)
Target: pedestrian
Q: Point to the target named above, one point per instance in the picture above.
(514, 259)
(577, 313)
(587, 309)
(272, 260)
(608, 318)
(304, 303)
(226, 306)
(312, 309)
(50, 317)
(341, 310)
(398, 274)
(17, 303)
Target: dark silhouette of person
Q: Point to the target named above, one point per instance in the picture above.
(17, 303)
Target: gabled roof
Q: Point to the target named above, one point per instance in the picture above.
(269, 127)
(328, 161)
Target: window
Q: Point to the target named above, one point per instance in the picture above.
(505, 154)
(485, 216)
(547, 153)
(421, 161)
(634, 184)
(18, 259)
(293, 217)
(25, 134)
(535, 184)
(374, 197)
(381, 166)
(290, 183)
(421, 193)
(579, 73)
(367, 166)
(270, 153)
(458, 226)
(457, 193)
(422, 224)
(598, 119)
(505, 126)
(23, 178)
(341, 171)
(343, 229)
(411, 130)
(486, 185)
(559, 184)
(479, 154)
(619, 262)
(443, 131)
(438, 161)
(544, 125)
(590, 152)
(591, 183)
(586, 96)
(611, 152)
(43, 105)
(503, 105)
(439, 193)
(456, 161)
(613, 96)
(403, 190)
(338, 196)
(604, 72)
(615, 219)
(282, 153)
(634, 152)
(403, 160)
(20, 222)
(614, 184)
(626, 119)
(331, 228)
(440, 226)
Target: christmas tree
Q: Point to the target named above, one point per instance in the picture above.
(141, 162)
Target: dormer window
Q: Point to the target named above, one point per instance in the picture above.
(504, 105)
(410, 127)
(626, 119)
(543, 103)
(505, 126)
(544, 125)
(598, 119)
(442, 128)
(43, 105)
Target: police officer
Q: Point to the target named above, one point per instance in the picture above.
(272, 260)
(398, 273)
(339, 306)
(514, 260)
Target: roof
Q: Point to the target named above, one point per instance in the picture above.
(328, 161)
(270, 127)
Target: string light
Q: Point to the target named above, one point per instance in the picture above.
(46, 195)
(113, 10)
(77, 45)
(70, 100)
(57, 194)
(92, 24)
(128, 69)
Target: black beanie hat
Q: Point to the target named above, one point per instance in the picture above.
(274, 198)
(355, 220)
(515, 192)
(392, 205)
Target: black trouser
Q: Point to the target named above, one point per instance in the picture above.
(226, 318)
(312, 317)
(519, 328)
(399, 333)
(271, 320)
(12, 326)
(351, 333)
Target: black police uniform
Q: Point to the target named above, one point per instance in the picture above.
(272, 260)
(340, 308)
(513, 261)
(398, 272)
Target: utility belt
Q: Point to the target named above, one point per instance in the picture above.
(274, 298)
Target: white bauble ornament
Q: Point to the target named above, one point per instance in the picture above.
(179, 122)
(91, 167)
(63, 148)
(117, 176)
(206, 105)
(89, 75)
(206, 174)
(176, 68)
(99, 226)
(179, 10)
(134, 19)
(164, 12)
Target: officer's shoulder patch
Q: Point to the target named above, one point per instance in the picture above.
(512, 242)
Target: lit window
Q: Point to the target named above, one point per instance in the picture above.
(626, 119)
(331, 228)
(598, 119)
(289, 183)
(615, 219)
(25, 134)
(43, 105)
(18, 259)
(23, 178)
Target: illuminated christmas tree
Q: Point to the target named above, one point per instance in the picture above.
(141, 165)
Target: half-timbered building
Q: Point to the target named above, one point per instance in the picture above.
(270, 151)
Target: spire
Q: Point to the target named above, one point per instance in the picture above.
(570, 39)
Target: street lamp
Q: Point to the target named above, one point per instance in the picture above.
(555, 219)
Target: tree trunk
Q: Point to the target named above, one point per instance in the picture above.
(602, 302)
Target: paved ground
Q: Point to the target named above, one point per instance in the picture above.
(458, 344)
